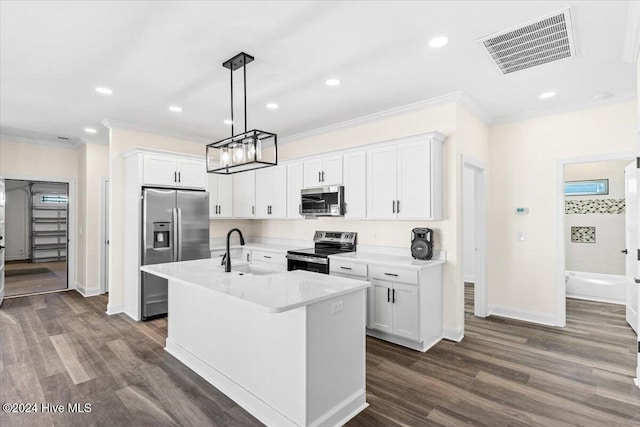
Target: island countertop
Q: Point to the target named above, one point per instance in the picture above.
(274, 293)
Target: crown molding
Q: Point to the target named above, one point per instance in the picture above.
(110, 124)
(567, 108)
(455, 97)
(631, 47)
(73, 145)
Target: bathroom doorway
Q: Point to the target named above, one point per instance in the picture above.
(36, 236)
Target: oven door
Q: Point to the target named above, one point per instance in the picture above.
(315, 264)
(322, 201)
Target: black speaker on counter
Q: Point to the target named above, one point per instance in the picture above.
(422, 243)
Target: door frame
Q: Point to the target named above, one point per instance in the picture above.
(103, 251)
(71, 219)
(480, 229)
(561, 286)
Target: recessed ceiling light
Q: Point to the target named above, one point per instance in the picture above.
(438, 41)
(547, 95)
(175, 109)
(332, 82)
(104, 90)
(228, 122)
(90, 130)
(272, 106)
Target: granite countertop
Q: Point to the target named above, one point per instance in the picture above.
(387, 260)
(275, 293)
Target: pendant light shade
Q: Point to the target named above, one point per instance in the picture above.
(254, 149)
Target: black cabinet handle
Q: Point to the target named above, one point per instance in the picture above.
(247, 257)
(393, 300)
(322, 176)
(266, 256)
(624, 251)
(398, 207)
(388, 294)
(345, 268)
(1, 247)
(179, 178)
(175, 176)
(391, 274)
(253, 210)
(394, 206)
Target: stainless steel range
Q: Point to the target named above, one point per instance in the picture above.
(317, 258)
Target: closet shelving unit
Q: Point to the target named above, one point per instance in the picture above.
(48, 230)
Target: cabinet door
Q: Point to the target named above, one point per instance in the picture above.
(332, 170)
(414, 180)
(225, 196)
(192, 173)
(381, 182)
(380, 310)
(159, 170)
(212, 188)
(406, 318)
(295, 183)
(264, 191)
(313, 173)
(355, 184)
(278, 201)
(244, 190)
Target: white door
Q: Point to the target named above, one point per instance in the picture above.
(631, 243)
(313, 173)
(332, 170)
(295, 183)
(355, 184)
(159, 170)
(2, 243)
(244, 193)
(381, 307)
(225, 196)
(414, 180)
(382, 168)
(192, 173)
(406, 318)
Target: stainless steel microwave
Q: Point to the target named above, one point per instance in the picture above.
(322, 201)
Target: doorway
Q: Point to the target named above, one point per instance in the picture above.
(473, 238)
(36, 237)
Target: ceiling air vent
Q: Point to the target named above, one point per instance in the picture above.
(538, 42)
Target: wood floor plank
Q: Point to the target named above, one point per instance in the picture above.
(73, 366)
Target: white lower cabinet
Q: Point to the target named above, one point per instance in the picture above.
(394, 309)
(380, 307)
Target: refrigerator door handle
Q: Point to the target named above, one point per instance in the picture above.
(179, 233)
(174, 232)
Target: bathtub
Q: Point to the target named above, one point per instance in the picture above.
(596, 287)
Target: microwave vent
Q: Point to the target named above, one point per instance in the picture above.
(534, 43)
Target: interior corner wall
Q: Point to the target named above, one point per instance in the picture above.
(524, 157)
(81, 239)
(121, 140)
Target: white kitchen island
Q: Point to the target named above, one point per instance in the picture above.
(288, 347)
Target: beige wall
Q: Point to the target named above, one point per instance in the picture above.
(121, 140)
(524, 173)
(93, 163)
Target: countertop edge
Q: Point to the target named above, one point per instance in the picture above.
(345, 257)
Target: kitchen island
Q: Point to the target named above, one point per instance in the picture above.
(288, 347)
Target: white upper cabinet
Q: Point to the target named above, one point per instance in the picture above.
(244, 194)
(271, 196)
(355, 184)
(404, 180)
(382, 171)
(323, 171)
(173, 171)
(220, 196)
(295, 183)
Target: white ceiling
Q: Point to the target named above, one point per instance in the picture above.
(157, 53)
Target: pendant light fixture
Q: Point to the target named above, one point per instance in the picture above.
(254, 149)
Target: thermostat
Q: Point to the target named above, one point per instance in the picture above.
(522, 211)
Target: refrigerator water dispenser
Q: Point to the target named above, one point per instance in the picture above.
(161, 234)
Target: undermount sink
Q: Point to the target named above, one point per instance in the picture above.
(252, 269)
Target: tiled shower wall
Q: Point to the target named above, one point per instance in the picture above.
(594, 225)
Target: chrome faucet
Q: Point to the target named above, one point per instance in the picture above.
(227, 256)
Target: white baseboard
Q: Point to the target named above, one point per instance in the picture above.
(591, 298)
(86, 292)
(519, 314)
(453, 334)
(114, 308)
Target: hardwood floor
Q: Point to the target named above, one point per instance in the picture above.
(24, 277)
(62, 348)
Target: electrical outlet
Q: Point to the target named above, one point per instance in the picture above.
(337, 306)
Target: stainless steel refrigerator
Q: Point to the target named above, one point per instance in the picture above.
(175, 227)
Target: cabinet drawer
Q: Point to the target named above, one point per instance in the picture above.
(267, 257)
(392, 274)
(346, 267)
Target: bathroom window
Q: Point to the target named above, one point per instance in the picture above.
(586, 188)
